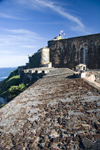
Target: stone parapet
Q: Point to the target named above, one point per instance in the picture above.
(33, 74)
(92, 76)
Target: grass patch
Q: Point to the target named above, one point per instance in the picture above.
(11, 86)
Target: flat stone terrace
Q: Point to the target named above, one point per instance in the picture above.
(57, 112)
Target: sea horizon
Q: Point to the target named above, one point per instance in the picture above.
(5, 72)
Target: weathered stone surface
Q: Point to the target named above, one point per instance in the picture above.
(73, 51)
(57, 112)
(96, 145)
(87, 143)
(86, 126)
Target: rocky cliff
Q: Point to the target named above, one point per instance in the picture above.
(57, 112)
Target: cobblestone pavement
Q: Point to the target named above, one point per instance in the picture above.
(57, 112)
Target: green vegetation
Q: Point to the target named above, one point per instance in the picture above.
(11, 86)
(2, 105)
(15, 90)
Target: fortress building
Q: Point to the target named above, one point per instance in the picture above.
(40, 59)
(58, 111)
(69, 52)
(73, 51)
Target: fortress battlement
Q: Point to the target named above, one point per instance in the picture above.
(69, 52)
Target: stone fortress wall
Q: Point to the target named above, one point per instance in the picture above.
(73, 51)
(69, 52)
(39, 59)
(63, 53)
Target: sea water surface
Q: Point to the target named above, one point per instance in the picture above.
(4, 73)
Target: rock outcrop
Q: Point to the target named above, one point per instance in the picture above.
(57, 112)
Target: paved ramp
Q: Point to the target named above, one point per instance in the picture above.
(57, 112)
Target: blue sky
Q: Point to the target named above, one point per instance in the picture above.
(27, 25)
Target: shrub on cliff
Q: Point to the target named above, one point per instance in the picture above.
(12, 80)
(13, 73)
(11, 76)
(16, 89)
(9, 82)
(13, 91)
(11, 87)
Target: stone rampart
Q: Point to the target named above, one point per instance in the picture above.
(39, 59)
(55, 113)
(32, 75)
(73, 51)
(67, 53)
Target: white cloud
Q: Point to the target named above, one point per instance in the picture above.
(79, 27)
(29, 46)
(22, 31)
(81, 30)
(4, 15)
(7, 52)
(14, 43)
(54, 7)
(61, 11)
(13, 61)
(19, 38)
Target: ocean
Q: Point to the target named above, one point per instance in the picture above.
(4, 72)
